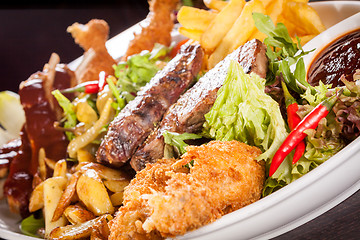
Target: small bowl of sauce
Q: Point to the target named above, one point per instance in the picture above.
(337, 53)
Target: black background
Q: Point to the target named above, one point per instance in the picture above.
(30, 32)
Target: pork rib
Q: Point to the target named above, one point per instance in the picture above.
(187, 114)
(138, 119)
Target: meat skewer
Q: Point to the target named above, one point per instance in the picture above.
(137, 120)
(187, 114)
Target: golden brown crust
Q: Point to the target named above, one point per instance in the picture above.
(160, 23)
(167, 199)
(92, 38)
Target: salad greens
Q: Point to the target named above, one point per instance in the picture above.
(70, 120)
(282, 53)
(244, 112)
(178, 140)
(130, 77)
(138, 70)
(30, 225)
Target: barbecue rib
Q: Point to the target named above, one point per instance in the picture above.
(138, 119)
(187, 114)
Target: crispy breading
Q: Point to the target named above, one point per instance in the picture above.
(168, 199)
(92, 38)
(160, 22)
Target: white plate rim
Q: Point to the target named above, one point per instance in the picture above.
(227, 221)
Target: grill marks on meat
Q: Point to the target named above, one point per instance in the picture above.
(187, 114)
(138, 119)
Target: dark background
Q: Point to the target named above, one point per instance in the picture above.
(31, 31)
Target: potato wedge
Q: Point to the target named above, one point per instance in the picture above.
(219, 27)
(42, 165)
(92, 192)
(195, 18)
(117, 198)
(85, 156)
(79, 231)
(53, 189)
(191, 33)
(239, 33)
(116, 185)
(76, 214)
(66, 196)
(105, 172)
(37, 198)
(60, 169)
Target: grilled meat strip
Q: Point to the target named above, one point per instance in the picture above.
(138, 119)
(187, 114)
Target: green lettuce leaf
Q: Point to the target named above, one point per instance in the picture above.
(138, 70)
(177, 140)
(244, 112)
(282, 53)
(69, 113)
(30, 226)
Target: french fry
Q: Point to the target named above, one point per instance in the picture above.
(195, 18)
(53, 189)
(191, 33)
(304, 17)
(92, 192)
(219, 27)
(66, 197)
(239, 33)
(266, 3)
(217, 5)
(76, 214)
(274, 9)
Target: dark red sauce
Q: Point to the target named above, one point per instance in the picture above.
(340, 57)
(38, 132)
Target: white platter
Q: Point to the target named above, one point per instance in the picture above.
(301, 201)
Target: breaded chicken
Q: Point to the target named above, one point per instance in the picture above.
(92, 38)
(168, 198)
(160, 24)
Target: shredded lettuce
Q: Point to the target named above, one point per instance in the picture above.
(244, 112)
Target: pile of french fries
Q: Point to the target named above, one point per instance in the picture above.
(79, 204)
(229, 24)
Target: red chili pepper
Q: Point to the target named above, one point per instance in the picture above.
(293, 120)
(310, 121)
(177, 47)
(87, 87)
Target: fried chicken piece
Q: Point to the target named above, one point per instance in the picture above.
(167, 199)
(160, 23)
(92, 38)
